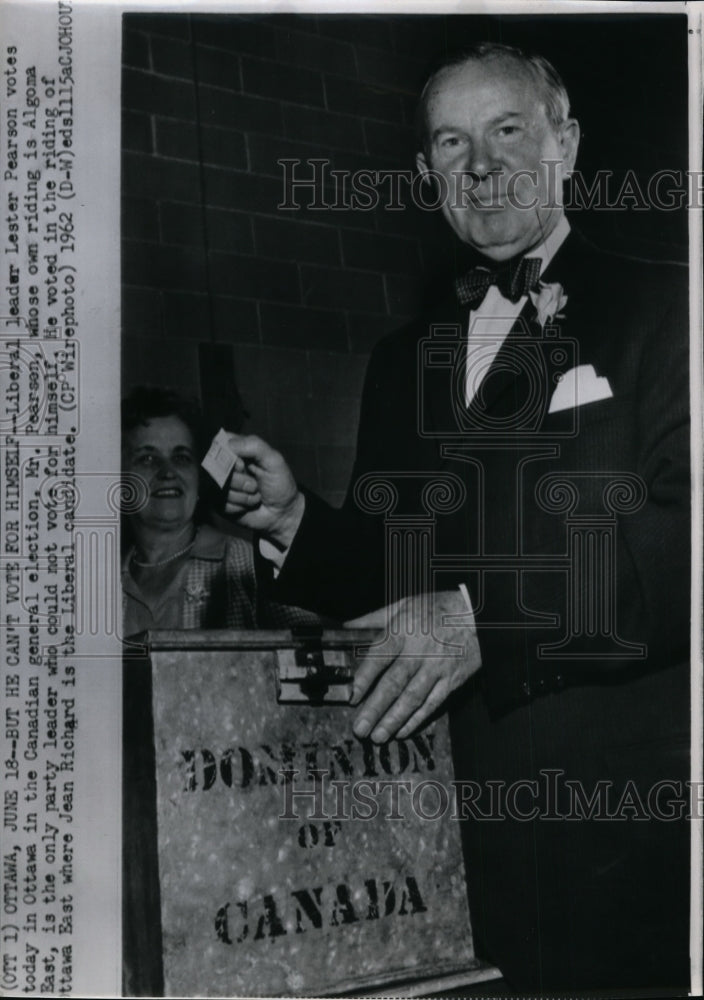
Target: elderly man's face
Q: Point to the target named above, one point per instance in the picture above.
(502, 161)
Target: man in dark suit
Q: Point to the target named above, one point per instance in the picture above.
(551, 397)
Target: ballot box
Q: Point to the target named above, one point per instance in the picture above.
(267, 850)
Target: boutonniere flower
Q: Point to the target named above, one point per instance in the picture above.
(549, 300)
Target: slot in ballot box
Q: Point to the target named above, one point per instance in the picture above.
(267, 850)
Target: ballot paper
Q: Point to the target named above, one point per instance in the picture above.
(220, 460)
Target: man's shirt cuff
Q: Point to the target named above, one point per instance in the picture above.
(273, 555)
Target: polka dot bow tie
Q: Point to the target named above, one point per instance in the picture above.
(512, 281)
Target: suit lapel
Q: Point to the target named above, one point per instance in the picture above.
(441, 363)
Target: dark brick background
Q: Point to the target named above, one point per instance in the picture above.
(294, 300)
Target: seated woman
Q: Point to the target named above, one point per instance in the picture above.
(178, 572)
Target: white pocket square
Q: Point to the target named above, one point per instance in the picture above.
(578, 386)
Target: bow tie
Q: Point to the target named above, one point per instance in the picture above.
(512, 282)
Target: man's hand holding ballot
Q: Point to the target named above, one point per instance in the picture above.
(399, 687)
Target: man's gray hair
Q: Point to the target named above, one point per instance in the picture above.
(555, 99)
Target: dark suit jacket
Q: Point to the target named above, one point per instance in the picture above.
(628, 320)
(606, 482)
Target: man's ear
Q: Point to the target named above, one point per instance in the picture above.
(569, 141)
(422, 164)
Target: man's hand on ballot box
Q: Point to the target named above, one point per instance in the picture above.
(423, 660)
(408, 678)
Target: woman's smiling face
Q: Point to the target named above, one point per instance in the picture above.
(162, 452)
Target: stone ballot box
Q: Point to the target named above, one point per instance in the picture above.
(267, 850)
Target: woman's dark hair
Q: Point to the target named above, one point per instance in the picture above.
(146, 402)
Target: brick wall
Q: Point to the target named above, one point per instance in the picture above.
(296, 299)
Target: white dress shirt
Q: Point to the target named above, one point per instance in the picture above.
(490, 323)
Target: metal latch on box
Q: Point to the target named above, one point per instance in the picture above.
(308, 673)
